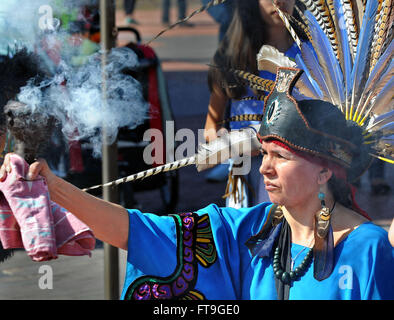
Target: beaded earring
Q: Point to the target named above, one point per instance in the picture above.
(322, 217)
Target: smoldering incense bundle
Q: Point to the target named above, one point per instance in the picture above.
(30, 130)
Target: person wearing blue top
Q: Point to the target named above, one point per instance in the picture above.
(222, 14)
(226, 269)
(254, 24)
(312, 241)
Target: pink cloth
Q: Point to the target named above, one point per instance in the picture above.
(30, 220)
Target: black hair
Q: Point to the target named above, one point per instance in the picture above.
(341, 191)
(239, 47)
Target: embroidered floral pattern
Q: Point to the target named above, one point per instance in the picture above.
(194, 245)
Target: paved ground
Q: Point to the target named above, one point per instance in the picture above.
(184, 53)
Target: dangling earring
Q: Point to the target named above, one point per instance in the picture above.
(323, 250)
(323, 217)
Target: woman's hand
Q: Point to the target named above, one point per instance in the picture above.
(5, 168)
(109, 221)
(39, 167)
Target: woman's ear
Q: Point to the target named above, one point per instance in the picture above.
(324, 175)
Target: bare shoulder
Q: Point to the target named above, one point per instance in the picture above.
(344, 221)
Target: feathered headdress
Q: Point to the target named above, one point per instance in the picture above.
(347, 62)
(343, 109)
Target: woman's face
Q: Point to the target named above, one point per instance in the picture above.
(270, 15)
(289, 179)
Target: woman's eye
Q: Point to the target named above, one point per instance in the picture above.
(281, 156)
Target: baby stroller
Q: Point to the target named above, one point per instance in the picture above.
(130, 142)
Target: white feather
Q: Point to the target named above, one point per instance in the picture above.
(269, 58)
(234, 145)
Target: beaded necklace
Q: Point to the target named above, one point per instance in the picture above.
(298, 272)
(287, 277)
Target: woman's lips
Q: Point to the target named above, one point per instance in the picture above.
(270, 186)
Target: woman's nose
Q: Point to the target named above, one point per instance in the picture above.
(266, 167)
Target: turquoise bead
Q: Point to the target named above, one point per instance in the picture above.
(321, 196)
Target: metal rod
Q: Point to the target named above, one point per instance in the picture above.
(110, 152)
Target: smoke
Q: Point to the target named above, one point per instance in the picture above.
(73, 92)
(75, 98)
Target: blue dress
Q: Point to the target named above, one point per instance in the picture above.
(203, 255)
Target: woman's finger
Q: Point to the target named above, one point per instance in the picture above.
(34, 170)
(2, 173)
(5, 168)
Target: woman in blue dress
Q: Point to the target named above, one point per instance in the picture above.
(254, 24)
(311, 242)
